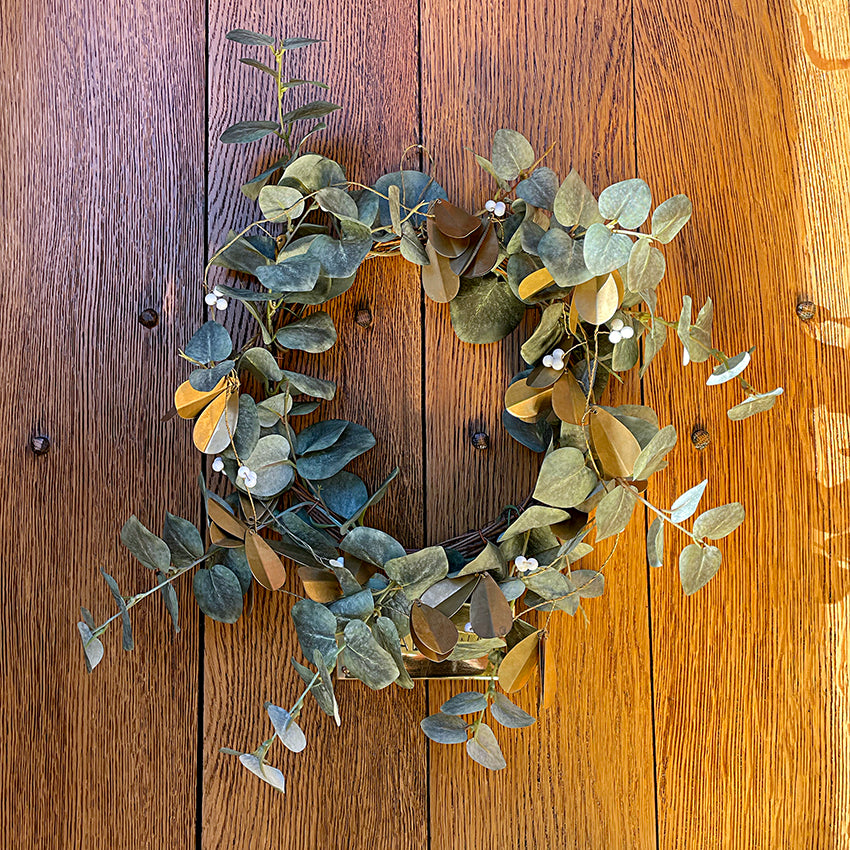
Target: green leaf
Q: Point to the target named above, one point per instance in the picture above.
(549, 584)
(534, 517)
(314, 109)
(469, 650)
(241, 36)
(318, 465)
(169, 597)
(248, 131)
(444, 728)
(204, 380)
(695, 338)
(655, 543)
(322, 689)
(242, 254)
(316, 629)
(210, 342)
(321, 435)
(729, 370)
(512, 153)
(628, 202)
(485, 310)
(415, 190)
(417, 571)
(287, 730)
(539, 188)
(271, 411)
(655, 339)
(237, 562)
(314, 172)
(299, 273)
(651, 457)
(536, 436)
(342, 257)
(484, 749)
(670, 217)
(295, 43)
(281, 203)
(93, 648)
(371, 545)
(253, 63)
(183, 540)
(126, 625)
(564, 480)
(563, 256)
(605, 251)
(315, 387)
(314, 333)
(468, 702)
(614, 512)
(247, 427)
(754, 404)
(270, 462)
(218, 593)
(145, 546)
(489, 559)
(697, 566)
(575, 205)
(686, 505)
(366, 659)
(508, 714)
(646, 267)
(589, 584)
(716, 523)
(266, 772)
(337, 202)
(261, 363)
(387, 636)
(344, 493)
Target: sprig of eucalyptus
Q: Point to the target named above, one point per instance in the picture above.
(586, 267)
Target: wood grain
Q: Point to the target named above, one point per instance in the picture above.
(562, 73)
(101, 198)
(751, 674)
(364, 784)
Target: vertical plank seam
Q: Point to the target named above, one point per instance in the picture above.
(423, 409)
(645, 510)
(199, 768)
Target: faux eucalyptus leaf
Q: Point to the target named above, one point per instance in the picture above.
(93, 648)
(218, 593)
(468, 702)
(210, 342)
(325, 463)
(754, 404)
(416, 191)
(314, 333)
(484, 749)
(605, 251)
(686, 505)
(342, 257)
(670, 217)
(248, 131)
(628, 202)
(444, 729)
(718, 522)
(539, 188)
(564, 479)
(651, 457)
(387, 635)
(316, 629)
(126, 625)
(508, 714)
(697, 566)
(563, 256)
(183, 540)
(575, 205)
(417, 571)
(287, 730)
(145, 546)
(292, 274)
(655, 543)
(371, 545)
(614, 512)
(366, 659)
(485, 310)
(270, 775)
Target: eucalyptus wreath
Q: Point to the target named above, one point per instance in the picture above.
(587, 268)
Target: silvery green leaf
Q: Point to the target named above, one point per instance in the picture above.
(292, 274)
(314, 172)
(314, 333)
(488, 167)
(266, 772)
(646, 267)
(346, 579)
(388, 637)
(627, 351)
(342, 257)
(271, 411)
(574, 204)
(249, 37)
(344, 493)
(754, 404)
(589, 584)
(311, 110)
(536, 516)
(410, 247)
(468, 650)
(261, 363)
(247, 427)
(627, 202)
(373, 500)
(337, 202)
(416, 192)
(145, 546)
(325, 463)
(563, 256)
(512, 588)
(237, 562)
(605, 251)
(444, 728)
(315, 387)
(372, 545)
(366, 659)
(697, 566)
(484, 749)
(654, 342)
(536, 436)
(88, 619)
(686, 505)
(651, 457)
(218, 593)
(539, 188)
(316, 629)
(547, 334)
(614, 512)
(93, 648)
(670, 217)
(490, 558)
(512, 153)
(729, 370)
(417, 571)
(281, 203)
(469, 702)
(203, 380)
(655, 543)
(183, 540)
(357, 606)
(253, 63)
(270, 462)
(295, 43)
(548, 584)
(248, 131)
(321, 689)
(242, 254)
(210, 342)
(716, 523)
(287, 730)
(485, 310)
(321, 435)
(564, 480)
(508, 714)
(169, 597)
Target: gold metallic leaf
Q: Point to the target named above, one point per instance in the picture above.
(525, 402)
(440, 283)
(518, 665)
(452, 221)
(597, 299)
(614, 444)
(432, 629)
(568, 400)
(219, 538)
(215, 427)
(534, 283)
(225, 520)
(444, 245)
(190, 402)
(320, 585)
(264, 562)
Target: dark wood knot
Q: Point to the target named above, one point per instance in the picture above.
(40, 444)
(149, 318)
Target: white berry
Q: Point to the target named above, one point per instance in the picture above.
(221, 304)
(686, 357)
(210, 298)
(627, 332)
(218, 465)
(531, 564)
(243, 471)
(617, 325)
(490, 206)
(337, 562)
(468, 628)
(615, 337)
(499, 209)
(548, 360)
(251, 480)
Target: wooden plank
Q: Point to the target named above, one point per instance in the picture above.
(101, 152)
(560, 72)
(365, 784)
(752, 673)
